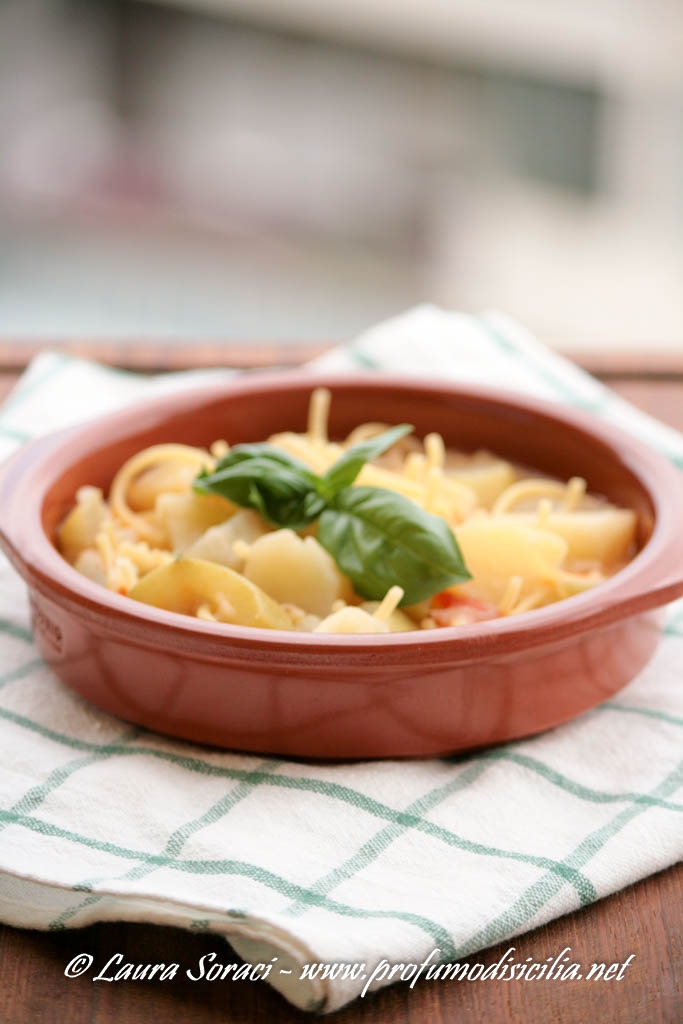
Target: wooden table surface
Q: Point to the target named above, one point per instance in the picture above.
(644, 920)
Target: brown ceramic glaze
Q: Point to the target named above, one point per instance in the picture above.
(311, 695)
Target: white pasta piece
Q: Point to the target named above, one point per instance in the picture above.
(486, 474)
(569, 583)
(219, 449)
(89, 563)
(295, 570)
(167, 477)
(415, 466)
(398, 621)
(143, 557)
(487, 481)
(185, 517)
(432, 488)
(83, 523)
(452, 500)
(218, 543)
(435, 451)
(543, 510)
(395, 456)
(389, 603)
(525, 494)
(204, 612)
(191, 585)
(535, 598)
(120, 571)
(364, 431)
(121, 574)
(511, 595)
(172, 456)
(318, 413)
(496, 548)
(603, 535)
(302, 621)
(318, 457)
(574, 494)
(351, 620)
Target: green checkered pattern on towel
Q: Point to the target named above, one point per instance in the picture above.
(329, 863)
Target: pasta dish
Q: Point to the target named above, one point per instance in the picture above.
(381, 532)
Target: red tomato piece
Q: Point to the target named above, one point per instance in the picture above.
(449, 609)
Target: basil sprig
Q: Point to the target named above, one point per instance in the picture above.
(376, 536)
(259, 476)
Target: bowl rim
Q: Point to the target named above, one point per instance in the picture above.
(646, 581)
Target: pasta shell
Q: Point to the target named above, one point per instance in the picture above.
(187, 584)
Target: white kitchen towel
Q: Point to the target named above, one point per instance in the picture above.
(349, 864)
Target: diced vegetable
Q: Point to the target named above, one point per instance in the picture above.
(295, 570)
(81, 526)
(600, 535)
(217, 544)
(186, 517)
(496, 548)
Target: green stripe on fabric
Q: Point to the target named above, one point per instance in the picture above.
(330, 789)
(543, 373)
(361, 357)
(290, 890)
(376, 845)
(46, 732)
(663, 716)
(39, 793)
(674, 626)
(560, 386)
(175, 841)
(19, 673)
(58, 362)
(8, 628)
(576, 788)
(513, 919)
(15, 435)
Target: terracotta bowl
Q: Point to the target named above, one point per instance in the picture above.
(405, 694)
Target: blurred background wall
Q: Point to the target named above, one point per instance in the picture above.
(298, 169)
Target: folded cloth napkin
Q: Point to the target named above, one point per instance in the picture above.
(336, 864)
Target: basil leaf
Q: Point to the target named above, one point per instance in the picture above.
(379, 538)
(279, 488)
(345, 470)
(261, 449)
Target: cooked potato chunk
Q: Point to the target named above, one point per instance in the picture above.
(83, 523)
(600, 535)
(496, 548)
(186, 517)
(487, 478)
(216, 544)
(295, 570)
